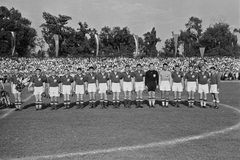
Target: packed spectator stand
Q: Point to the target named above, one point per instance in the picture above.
(229, 67)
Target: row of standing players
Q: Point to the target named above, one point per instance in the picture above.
(138, 81)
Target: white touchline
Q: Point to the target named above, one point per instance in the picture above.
(149, 145)
(11, 110)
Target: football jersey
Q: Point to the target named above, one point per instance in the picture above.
(127, 76)
(115, 77)
(152, 76)
(177, 77)
(139, 75)
(191, 76)
(66, 80)
(38, 80)
(53, 81)
(165, 75)
(16, 79)
(102, 77)
(79, 79)
(203, 77)
(91, 77)
(215, 78)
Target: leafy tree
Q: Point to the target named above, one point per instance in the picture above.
(150, 42)
(12, 20)
(219, 40)
(56, 25)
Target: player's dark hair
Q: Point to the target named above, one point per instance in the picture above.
(91, 68)
(66, 69)
(165, 64)
(151, 64)
(214, 68)
(38, 69)
(127, 66)
(139, 65)
(114, 66)
(79, 69)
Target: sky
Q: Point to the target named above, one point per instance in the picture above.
(140, 16)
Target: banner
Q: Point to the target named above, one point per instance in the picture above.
(56, 39)
(13, 42)
(175, 37)
(202, 50)
(97, 44)
(181, 49)
(136, 44)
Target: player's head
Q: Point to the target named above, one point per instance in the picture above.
(177, 68)
(102, 69)
(66, 71)
(191, 68)
(16, 70)
(139, 67)
(151, 66)
(127, 67)
(115, 68)
(202, 68)
(79, 70)
(38, 71)
(165, 65)
(212, 69)
(53, 72)
(91, 69)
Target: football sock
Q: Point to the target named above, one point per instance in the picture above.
(167, 101)
(163, 102)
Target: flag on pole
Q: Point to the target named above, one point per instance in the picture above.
(175, 37)
(97, 44)
(56, 39)
(202, 50)
(136, 44)
(13, 42)
(181, 49)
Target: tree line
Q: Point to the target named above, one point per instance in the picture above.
(116, 41)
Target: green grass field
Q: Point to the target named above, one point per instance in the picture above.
(124, 134)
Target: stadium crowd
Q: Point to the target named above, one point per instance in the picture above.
(228, 67)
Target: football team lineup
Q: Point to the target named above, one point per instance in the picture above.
(130, 82)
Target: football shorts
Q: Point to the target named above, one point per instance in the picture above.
(79, 89)
(116, 87)
(165, 86)
(151, 86)
(127, 86)
(203, 88)
(103, 87)
(66, 89)
(139, 86)
(213, 88)
(54, 91)
(191, 86)
(38, 90)
(92, 87)
(14, 91)
(177, 87)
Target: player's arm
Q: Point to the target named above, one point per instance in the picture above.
(133, 81)
(72, 85)
(86, 83)
(171, 80)
(159, 79)
(218, 81)
(186, 80)
(121, 82)
(97, 83)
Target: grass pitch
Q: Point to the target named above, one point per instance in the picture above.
(32, 134)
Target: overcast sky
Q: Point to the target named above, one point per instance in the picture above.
(139, 15)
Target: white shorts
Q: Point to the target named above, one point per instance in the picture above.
(66, 89)
(14, 91)
(203, 88)
(139, 86)
(116, 87)
(103, 87)
(38, 90)
(54, 91)
(165, 86)
(177, 87)
(191, 86)
(92, 87)
(127, 86)
(213, 88)
(79, 89)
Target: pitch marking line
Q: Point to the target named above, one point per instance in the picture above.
(11, 110)
(149, 145)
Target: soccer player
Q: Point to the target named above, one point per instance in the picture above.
(177, 85)
(115, 86)
(191, 83)
(38, 81)
(214, 86)
(78, 84)
(91, 85)
(127, 82)
(54, 89)
(15, 79)
(203, 85)
(103, 80)
(66, 86)
(151, 83)
(139, 76)
(165, 81)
